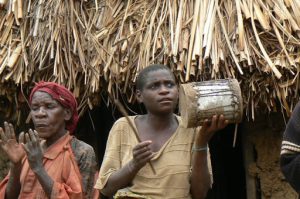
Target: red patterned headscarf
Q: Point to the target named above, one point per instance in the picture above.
(63, 96)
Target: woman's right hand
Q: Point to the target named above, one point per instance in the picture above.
(141, 155)
(9, 144)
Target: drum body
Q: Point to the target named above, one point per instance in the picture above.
(201, 100)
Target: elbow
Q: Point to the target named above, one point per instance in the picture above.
(199, 189)
(106, 192)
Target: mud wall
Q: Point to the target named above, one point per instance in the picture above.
(265, 136)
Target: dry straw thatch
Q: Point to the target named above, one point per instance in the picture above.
(99, 46)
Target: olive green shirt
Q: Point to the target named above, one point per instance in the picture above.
(172, 163)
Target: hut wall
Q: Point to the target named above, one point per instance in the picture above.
(262, 143)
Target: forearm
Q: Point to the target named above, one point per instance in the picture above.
(120, 179)
(13, 186)
(45, 180)
(200, 177)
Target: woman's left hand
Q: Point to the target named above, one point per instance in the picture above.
(209, 128)
(33, 150)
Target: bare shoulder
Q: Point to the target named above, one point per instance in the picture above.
(80, 148)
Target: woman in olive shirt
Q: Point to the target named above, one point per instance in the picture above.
(164, 141)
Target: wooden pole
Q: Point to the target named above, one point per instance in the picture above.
(248, 153)
(124, 113)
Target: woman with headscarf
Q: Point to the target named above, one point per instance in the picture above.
(48, 162)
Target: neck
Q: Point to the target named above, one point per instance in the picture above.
(160, 121)
(52, 140)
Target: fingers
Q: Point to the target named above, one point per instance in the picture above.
(2, 135)
(32, 136)
(36, 135)
(142, 153)
(8, 133)
(22, 138)
(12, 131)
(7, 130)
(26, 141)
(214, 122)
(30, 142)
(217, 122)
(25, 147)
(222, 122)
(205, 125)
(142, 149)
(142, 145)
(27, 138)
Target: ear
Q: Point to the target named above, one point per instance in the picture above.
(139, 96)
(68, 114)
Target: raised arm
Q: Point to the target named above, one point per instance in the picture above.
(65, 185)
(15, 153)
(35, 158)
(200, 177)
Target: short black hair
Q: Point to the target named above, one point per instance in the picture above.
(143, 74)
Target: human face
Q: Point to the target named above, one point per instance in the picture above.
(48, 116)
(160, 92)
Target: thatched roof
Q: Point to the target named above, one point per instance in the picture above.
(99, 46)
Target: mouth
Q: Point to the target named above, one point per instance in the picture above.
(165, 100)
(41, 125)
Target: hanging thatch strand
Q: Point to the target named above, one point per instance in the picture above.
(96, 46)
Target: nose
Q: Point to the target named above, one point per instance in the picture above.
(40, 112)
(164, 89)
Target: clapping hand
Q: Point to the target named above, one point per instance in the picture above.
(28, 144)
(10, 145)
(33, 149)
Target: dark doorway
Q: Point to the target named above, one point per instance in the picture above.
(227, 165)
(95, 124)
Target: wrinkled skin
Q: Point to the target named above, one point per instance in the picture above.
(9, 144)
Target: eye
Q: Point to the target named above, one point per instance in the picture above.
(154, 86)
(170, 85)
(50, 106)
(34, 108)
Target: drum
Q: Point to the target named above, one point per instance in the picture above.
(201, 100)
